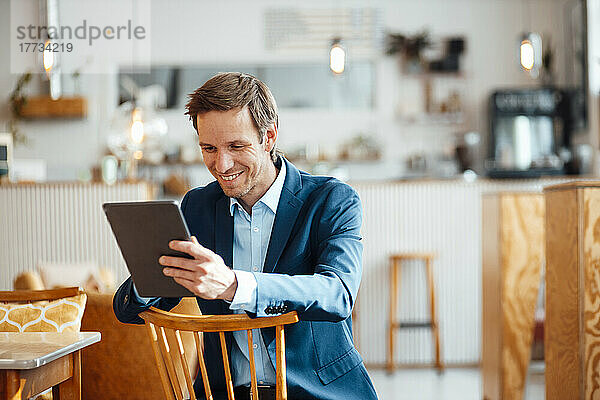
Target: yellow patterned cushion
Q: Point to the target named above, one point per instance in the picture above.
(63, 315)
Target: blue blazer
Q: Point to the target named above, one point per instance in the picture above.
(313, 266)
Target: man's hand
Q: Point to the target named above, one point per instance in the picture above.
(206, 275)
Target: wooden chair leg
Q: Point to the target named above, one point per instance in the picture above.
(434, 322)
(392, 319)
(71, 388)
(12, 386)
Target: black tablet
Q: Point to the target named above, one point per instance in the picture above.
(143, 230)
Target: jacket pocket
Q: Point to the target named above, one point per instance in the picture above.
(340, 366)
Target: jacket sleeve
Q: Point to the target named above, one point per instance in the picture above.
(325, 290)
(127, 304)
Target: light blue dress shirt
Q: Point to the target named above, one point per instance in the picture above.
(251, 235)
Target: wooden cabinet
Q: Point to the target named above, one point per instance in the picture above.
(572, 338)
(513, 252)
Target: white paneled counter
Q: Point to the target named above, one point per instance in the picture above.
(60, 223)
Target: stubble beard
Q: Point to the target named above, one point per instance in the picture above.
(241, 194)
(244, 191)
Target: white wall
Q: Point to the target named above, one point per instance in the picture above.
(195, 32)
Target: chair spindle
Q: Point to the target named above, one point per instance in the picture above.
(159, 361)
(171, 325)
(166, 352)
(252, 366)
(200, 349)
(280, 386)
(184, 365)
(228, 380)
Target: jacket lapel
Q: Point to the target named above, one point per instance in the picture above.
(224, 231)
(287, 212)
(224, 238)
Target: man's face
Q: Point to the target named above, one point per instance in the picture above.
(234, 155)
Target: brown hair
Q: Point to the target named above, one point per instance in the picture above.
(229, 90)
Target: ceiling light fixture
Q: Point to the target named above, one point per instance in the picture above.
(50, 58)
(337, 57)
(530, 53)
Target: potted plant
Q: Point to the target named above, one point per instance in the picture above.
(17, 100)
(410, 48)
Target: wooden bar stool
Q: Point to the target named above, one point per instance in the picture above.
(395, 264)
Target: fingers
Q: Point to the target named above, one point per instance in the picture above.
(192, 248)
(180, 262)
(180, 273)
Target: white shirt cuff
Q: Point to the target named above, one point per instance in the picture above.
(245, 294)
(143, 299)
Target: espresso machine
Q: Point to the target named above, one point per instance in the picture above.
(530, 133)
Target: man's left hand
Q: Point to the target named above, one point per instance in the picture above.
(206, 275)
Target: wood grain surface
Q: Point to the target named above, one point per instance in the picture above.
(46, 107)
(522, 242)
(591, 301)
(160, 321)
(491, 344)
(513, 252)
(14, 296)
(57, 374)
(562, 325)
(215, 323)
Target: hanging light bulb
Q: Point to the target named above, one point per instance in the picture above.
(530, 53)
(337, 57)
(52, 67)
(137, 126)
(48, 58)
(527, 57)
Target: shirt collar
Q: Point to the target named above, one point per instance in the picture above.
(271, 197)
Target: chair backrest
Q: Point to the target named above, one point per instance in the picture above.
(57, 310)
(161, 324)
(29, 296)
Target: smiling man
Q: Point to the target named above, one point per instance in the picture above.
(268, 239)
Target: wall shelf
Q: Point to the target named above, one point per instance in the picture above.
(44, 107)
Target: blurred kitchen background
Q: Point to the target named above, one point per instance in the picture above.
(417, 88)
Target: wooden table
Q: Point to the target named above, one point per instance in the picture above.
(571, 333)
(32, 362)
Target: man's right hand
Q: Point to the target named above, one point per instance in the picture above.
(206, 275)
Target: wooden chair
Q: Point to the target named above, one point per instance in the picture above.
(396, 261)
(161, 324)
